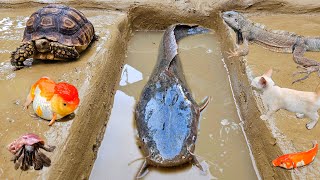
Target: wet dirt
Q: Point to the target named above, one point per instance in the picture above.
(221, 146)
(290, 133)
(15, 86)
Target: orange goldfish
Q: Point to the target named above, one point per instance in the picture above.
(294, 160)
(52, 101)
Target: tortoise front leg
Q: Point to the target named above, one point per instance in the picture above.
(63, 51)
(22, 53)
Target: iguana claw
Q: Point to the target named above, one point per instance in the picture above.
(232, 53)
(307, 71)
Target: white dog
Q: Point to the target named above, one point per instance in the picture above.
(275, 97)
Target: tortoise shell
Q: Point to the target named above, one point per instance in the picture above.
(61, 24)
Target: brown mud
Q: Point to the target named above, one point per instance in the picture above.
(97, 73)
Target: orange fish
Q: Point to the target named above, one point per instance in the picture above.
(294, 160)
(52, 101)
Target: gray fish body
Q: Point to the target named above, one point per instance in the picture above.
(167, 116)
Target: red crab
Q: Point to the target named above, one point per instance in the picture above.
(26, 150)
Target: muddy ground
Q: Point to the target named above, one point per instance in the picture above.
(97, 73)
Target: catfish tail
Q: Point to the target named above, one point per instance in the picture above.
(173, 34)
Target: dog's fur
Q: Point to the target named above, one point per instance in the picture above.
(275, 97)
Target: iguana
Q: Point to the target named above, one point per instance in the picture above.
(278, 41)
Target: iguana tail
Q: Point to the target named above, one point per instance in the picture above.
(313, 44)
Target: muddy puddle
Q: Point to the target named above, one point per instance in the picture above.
(15, 86)
(290, 132)
(221, 145)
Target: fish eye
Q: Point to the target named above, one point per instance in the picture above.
(64, 104)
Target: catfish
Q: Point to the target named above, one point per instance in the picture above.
(167, 116)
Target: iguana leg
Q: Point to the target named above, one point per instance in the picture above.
(63, 51)
(309, 65)
(298, 58)
(307, 71)
(241, 51)
(22, 53)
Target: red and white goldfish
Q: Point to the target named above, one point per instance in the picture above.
(52, 101)
(294, 160)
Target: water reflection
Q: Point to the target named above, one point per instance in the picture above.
(130, 75)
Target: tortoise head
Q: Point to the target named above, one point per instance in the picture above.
(42, 45)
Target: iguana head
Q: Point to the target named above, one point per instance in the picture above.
(233, 19)
(236, 21)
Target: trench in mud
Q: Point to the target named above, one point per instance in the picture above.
(209, 145)
(221, 146)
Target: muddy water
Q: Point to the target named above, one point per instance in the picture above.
(15, 86)
(221, 146)
(290, 132)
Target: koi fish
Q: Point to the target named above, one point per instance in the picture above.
(52, 101)
(294, 160)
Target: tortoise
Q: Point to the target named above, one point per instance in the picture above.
(54, 32)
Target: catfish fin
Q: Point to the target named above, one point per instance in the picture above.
(143, 170)
(204, 103)
(196, 162)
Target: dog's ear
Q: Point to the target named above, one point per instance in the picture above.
(263, 82)
(268, 73)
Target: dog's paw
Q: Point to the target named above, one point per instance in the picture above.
(311, 124)
(299, 115)
(264, 117)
